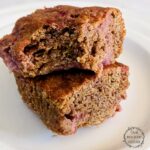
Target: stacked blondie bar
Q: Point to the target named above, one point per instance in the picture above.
(64, 62)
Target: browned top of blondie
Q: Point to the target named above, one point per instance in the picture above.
(57, 17)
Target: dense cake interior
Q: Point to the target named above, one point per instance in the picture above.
(99, 100)
(72, 46)
(91, 102)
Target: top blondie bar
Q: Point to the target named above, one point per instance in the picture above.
(63, 37)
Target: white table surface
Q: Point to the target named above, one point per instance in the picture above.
(139, 8)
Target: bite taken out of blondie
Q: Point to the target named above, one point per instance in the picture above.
(64, 37)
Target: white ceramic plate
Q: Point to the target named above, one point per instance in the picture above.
(20, 129)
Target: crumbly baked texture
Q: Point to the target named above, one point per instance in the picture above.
(63, 37)
(71, 99)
